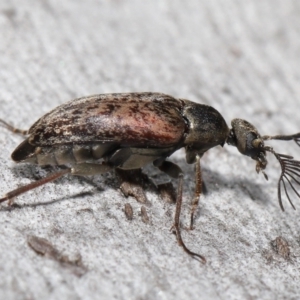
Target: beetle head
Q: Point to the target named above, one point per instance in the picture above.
(246, 138)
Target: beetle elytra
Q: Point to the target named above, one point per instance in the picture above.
(96, 134)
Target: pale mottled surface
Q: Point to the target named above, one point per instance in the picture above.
(242, 57)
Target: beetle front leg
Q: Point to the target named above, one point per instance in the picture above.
(198, 190)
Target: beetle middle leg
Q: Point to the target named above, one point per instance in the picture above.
(174, 171)
(177, 222)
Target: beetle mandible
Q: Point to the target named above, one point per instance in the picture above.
(96, 134)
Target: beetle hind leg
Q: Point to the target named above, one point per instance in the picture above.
(79, 169)
(23, 189)
(12, 128)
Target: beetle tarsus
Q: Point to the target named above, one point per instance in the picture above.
(176, 225)
(3, 199)
(11, 195)
(13, 129)
(188, 251)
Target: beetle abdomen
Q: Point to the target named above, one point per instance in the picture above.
(25, 151)
(62, 154)
(124, 158)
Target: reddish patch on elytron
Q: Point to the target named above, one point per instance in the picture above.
(145, 122)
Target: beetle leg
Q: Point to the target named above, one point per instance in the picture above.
(133, 182)
(9, 196)
(13, 129)
(176, 225)
(198, 190)
(174, 171)
(169, 168)
(85, 169)
(167, 192)
(80, 169)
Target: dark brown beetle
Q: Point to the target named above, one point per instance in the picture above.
(93, 135)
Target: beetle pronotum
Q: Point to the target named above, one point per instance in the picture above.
(96, 134)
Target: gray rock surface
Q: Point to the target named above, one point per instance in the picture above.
(241, 57)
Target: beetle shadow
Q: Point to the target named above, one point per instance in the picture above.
(213, 180)
(79, 195)
(253, 190)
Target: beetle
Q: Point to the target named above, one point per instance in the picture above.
(126, 131)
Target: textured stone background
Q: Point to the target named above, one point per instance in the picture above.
(242, 57)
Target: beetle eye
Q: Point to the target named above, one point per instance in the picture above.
(257, 143)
